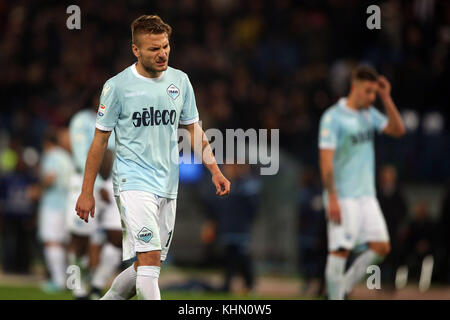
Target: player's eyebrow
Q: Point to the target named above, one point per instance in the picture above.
(157, 47)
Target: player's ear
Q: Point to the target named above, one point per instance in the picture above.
(135, 50)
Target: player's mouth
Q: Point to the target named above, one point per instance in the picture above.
(161, 63)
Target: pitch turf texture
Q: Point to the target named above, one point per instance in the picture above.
(34, 293)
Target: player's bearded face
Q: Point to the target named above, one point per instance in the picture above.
(153, 52)
(366, 93)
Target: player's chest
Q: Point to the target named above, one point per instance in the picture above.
(356, 130)
(152, 105)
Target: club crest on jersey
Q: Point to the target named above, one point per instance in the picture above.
(173, 91)
(145, 235)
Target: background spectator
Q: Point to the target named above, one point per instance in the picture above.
(312, 235)
(393, 205)
(233, 218)
(420, 240)
(17, 213)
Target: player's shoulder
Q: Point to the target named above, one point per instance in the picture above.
(59, 154)
(51, 155)
(84, 114)
(372, 109)
(331, 113)
(177, 73)
(124, 75)
(82, 117)
(62, 153)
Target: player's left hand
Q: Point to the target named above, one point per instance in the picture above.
(222, 184)
(85, 206)
(384, 87)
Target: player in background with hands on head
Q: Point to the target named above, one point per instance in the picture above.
(144, 104)
(347, 164)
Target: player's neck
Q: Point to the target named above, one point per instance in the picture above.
(141, 70)
(351, 103)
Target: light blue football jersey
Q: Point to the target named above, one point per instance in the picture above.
(56, 162)
(351, 134)
(144, 114)
(82, 130)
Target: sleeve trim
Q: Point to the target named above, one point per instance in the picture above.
(324, 145)
(189, 121)
(103, 128)
(383, 125)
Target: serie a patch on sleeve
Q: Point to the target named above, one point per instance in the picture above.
(101, 110)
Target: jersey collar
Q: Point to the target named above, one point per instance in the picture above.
(152, 80)
(343, 103)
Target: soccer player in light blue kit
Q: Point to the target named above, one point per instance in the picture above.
(144, 104)
(347, 163)
(55, 171)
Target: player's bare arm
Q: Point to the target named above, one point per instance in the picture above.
(200, 143)
(327, 174)
(395, 127)
(86, 202)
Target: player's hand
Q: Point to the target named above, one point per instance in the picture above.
(334, 210)
(384, 87)
(85, 205)
(222, 184)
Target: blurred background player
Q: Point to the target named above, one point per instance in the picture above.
(312, 240)
(347, 163)
(110, 226)
(394, 207)
(18, 195)
(86, 239)
(421, 235)
(55, 171)
(231, 220)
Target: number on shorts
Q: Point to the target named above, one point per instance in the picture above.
(168, 240)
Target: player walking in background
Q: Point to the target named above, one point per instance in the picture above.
(144, 104)
(110, 226)
(347, 163)
(55, 170)
(86, 239)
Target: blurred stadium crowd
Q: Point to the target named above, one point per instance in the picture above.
(253, 64)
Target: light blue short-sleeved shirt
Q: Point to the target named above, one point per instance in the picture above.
(82, 131)
(144, 114)
(351, 134)
(56, 162)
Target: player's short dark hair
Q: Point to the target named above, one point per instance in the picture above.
(364, 73)
(149, 24)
